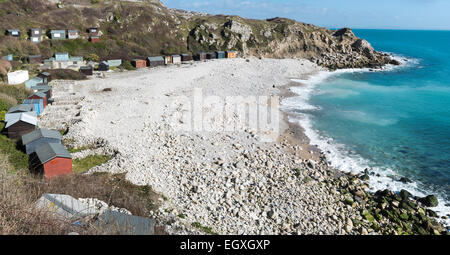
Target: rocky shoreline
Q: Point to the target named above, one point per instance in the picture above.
(227, 182)
(383, 212)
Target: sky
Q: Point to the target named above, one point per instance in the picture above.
(381, 14)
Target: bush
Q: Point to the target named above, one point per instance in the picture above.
(18, 92)
(17, 158)
(66, 74)
(127, 65)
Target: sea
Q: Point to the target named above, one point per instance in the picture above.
(392, 123)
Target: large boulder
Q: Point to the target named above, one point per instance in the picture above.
(362, 46)
(429, 201)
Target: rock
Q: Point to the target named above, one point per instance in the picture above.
(364, 231)
(405, 180)
(404, 194)
(429, 201)
(395, 62)
(363, 46)
(432, 213)
(344, 32)
(365, 177)
(272, 214)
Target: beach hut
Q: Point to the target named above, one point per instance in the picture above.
(36, 35)
(20, 125)
(94, 39)
(139, 63)
(36, 32)
(18, 77)
(221, 54)
(176, 59)
(36, 104)
(33, 82)
(34, 139)
(20, 108)
(103, 66)
(62, 56)
(13, 32)
(87, 70)
(34, 59)
(35, 39)
(12, 116)
(211, 55)
(168, 60)
(44, 89)
(46, 77)
(231, 54)
(58, 34)
(200, 56)
(39, 95)
(155, 61)
(93, 30)
(114, 62)
(8, 57)
(72, 34)
(186, 57)
(51, 160)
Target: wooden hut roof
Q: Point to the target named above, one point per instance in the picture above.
(41, 88)
(11, 116)
(22, 117)
(20, 108)
(39, 94)
(49, 151)
(158, 58)
(40, 133)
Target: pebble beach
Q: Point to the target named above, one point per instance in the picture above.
(229, 182)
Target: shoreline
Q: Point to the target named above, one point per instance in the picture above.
(442, 210)
(229, 183)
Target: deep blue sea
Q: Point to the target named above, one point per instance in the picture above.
(395, 123)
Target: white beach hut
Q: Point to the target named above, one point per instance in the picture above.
(176, 59)
(18, 77)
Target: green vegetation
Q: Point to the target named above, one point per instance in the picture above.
(17, 158)
(11, 92)
(66, 74)
(128, 66)
(10, 96)
(85, 164)
(82, 148)
(207, 230)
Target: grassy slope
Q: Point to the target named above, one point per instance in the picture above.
(130, 30)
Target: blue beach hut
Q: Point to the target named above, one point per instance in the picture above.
(8, 57)
(221, 54)
(36, 104)
(62, 56)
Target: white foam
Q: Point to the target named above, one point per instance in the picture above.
(337, 154)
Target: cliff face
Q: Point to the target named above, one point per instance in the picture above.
(143, 28)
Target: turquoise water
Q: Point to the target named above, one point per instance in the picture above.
(397, 121)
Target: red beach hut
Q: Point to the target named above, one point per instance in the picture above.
(51, 160)
(39, 95)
